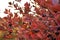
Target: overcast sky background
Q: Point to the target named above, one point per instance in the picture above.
(4, 4)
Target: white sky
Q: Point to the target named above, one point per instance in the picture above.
(4, 4)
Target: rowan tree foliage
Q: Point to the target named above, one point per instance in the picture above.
(25, 23)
